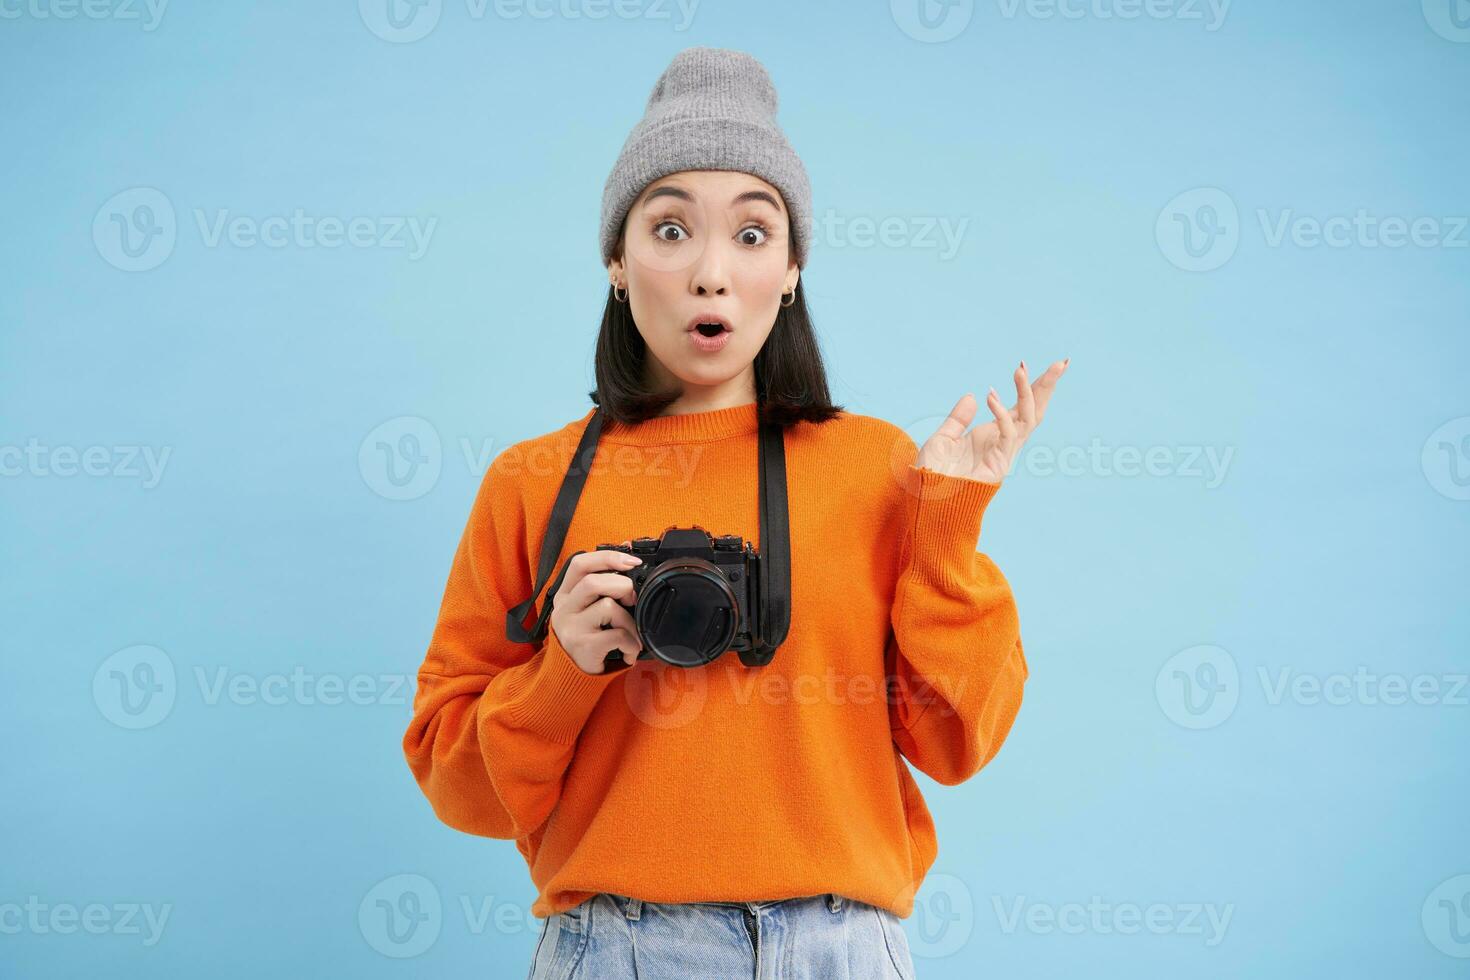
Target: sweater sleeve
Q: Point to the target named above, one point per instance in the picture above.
(494, 723)
(954, 654)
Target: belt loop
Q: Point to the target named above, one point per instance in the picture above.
(634, 908)
(834, 901)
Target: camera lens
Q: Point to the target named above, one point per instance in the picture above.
(687, 613)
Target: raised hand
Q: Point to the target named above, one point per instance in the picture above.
(986, 451)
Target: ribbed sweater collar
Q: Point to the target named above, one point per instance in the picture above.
(720, 423)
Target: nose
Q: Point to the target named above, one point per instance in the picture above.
(710, 276)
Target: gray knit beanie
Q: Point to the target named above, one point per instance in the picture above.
(711, 109)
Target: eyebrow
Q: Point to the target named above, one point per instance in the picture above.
(671, 191)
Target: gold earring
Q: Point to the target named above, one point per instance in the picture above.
(623, 298)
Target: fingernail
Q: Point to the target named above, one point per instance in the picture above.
(633, 559)
(1065, 360)
(1023, 364)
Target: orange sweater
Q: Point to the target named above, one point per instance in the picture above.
(725, 782)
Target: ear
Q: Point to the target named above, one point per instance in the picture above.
(615, 271)
(793, 273)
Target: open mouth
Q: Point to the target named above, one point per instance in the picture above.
(710, 329)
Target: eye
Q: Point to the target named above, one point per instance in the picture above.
(758, 230)
(658, 231)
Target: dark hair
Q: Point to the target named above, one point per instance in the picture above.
(790, 380)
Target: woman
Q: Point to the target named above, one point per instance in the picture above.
(724, 820)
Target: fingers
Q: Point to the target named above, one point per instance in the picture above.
(606, 612)
(959, 417)
(599, 560)
(1003, 419)
(596, 585)
(623, 642)
(579, 567)
(631, 643)
(612, 625)
(1025, 402)
(1049, 377)
(1046, 384)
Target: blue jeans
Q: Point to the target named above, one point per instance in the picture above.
(816, 937)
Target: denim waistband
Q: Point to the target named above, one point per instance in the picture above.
(633, 907)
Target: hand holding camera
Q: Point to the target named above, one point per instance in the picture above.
(683, 598)
(588, 612)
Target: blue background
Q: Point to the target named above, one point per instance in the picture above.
(1335, 540)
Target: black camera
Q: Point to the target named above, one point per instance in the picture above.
(698, 596)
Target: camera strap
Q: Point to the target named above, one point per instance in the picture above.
(775, 545)
(775, 541)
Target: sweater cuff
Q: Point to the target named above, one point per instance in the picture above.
(946, 517)
(555, 697)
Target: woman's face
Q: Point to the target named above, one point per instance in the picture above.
(705, 245)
